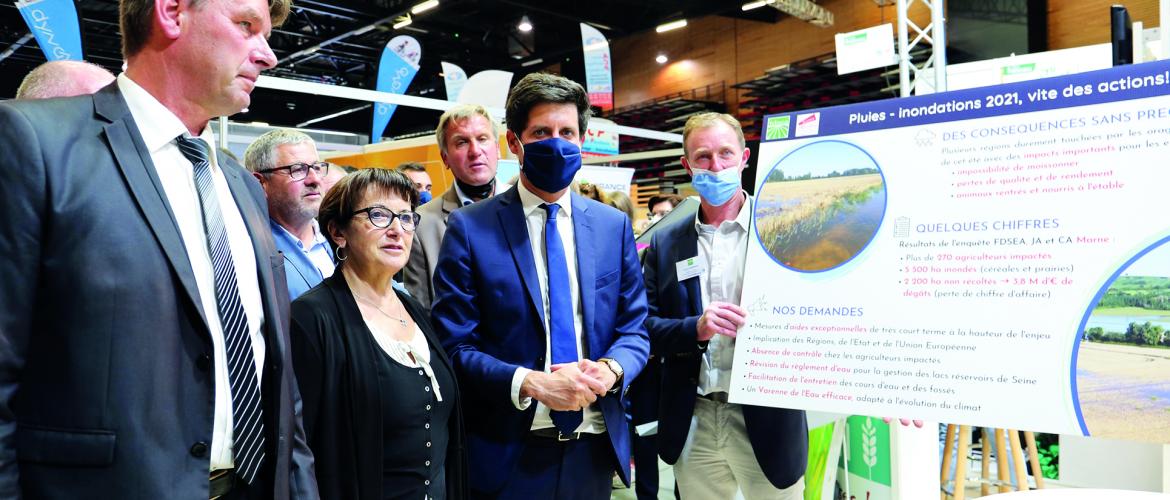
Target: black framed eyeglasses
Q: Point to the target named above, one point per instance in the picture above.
(382, 217)
(298, 171)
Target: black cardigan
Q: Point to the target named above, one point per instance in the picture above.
(334, 359)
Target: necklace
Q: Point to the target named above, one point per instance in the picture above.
(384, 313)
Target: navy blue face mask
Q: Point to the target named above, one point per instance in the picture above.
(551, 164)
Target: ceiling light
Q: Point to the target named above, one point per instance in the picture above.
(754, 5)
(673, 25)
(425, 6)
(525, 24)
(403, 22)
(661, 59)
(533, 62)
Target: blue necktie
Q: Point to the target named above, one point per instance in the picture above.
(247, 421)
(562, 336)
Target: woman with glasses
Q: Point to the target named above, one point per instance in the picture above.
(381, 408)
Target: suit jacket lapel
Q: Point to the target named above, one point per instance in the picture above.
(512, 220)
(450, 203)
(586, 270)
(137, 168)
(686, 247)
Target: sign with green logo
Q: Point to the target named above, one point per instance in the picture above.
(1018, 69)
(856, 38)
(869, 446)
(776, 128)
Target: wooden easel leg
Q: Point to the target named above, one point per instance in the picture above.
(985, 452)
(1001, 462)
(961, 462)
(1034, 458)
(948, 443)
(1018, 460)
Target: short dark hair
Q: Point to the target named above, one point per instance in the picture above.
(674, 200)
(135, 18)
(341, 201)
(540, 88)
(410, 166)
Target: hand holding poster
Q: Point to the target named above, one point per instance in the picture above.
(994, 256)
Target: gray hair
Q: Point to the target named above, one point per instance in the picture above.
(458, 114)
(63, 79)
(261, 154)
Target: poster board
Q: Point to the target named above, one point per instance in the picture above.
(994, 256)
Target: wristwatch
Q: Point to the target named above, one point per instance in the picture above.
(617, 371)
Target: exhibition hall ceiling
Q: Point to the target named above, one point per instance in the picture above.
(340, 42)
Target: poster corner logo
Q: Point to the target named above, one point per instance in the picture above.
(808, 124)
(776, 128)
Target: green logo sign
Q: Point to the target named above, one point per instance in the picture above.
(856, 38)
(1019, 69)
(776, 128)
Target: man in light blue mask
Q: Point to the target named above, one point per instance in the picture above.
(539, 302)
(694, 272)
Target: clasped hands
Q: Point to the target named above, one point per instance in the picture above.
(570, 386)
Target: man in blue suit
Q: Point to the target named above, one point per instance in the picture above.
(286, 163)
(539, 301)
(694, 277)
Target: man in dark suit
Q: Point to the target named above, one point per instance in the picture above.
(694, 278)
(538, 296)
(144, 329)
(470, 148)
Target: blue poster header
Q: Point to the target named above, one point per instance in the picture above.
(1121, 83)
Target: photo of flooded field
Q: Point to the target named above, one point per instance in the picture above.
(1123, 359)
(820, 206)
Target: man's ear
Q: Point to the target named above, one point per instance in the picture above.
(514, 144)
(686, 164)
(169, 16)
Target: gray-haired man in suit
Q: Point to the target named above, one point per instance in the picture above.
(469, 147)
(143, 338)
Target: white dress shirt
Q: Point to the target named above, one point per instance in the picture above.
(724, 249)
(159, 127)
(535, 216)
